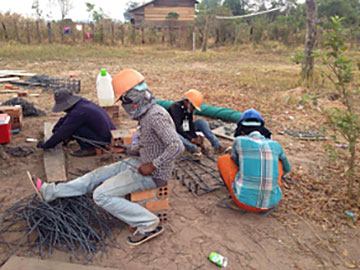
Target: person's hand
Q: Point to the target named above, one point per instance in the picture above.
(198, 141)
(146, 169)
(40, 144)
(116, 149)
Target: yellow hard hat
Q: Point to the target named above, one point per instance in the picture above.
(125, 80)
(195, 97)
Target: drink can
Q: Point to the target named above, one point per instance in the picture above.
(218, 259)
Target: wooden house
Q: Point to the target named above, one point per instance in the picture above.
(162, 13)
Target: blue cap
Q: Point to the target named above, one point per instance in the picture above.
(251, 114)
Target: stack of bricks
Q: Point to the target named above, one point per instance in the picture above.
(16, 115)
(113, 112)
(155, 200)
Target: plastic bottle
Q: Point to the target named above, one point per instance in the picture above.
(104, 88)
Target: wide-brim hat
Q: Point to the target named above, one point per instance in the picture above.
(64, 99)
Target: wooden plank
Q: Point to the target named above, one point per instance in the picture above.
(54, 158)
(220, 131)
(20, 74)
(9, 79)
(22, 263)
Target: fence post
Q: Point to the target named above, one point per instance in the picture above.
(163, 34)
(112, 33)
(49, 32)
(122, 33)
(38, 31)
(62, 32)
(206, 34)
(73, 32)
(142, 35)
(194, 41)
(16, 31)
(28, 32)
(101, 33)
(5, 31)
(83, 32)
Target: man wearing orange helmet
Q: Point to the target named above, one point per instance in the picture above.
(182, 113)
(150, 167)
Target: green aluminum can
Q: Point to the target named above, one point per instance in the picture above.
(218, 259)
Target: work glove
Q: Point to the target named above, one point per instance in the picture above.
(40, 144)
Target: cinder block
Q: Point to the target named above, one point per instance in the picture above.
(142, 195)
(120, 137)
(157, 205)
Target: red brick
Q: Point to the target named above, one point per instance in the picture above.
(11, 87)
(157, 205)
(99, 151)
(142, 195)
(22, 94)
(162, 215)
(111, 109)
(163, 192)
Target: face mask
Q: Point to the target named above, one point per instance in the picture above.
(136, 103)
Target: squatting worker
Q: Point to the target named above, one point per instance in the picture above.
(182, 113)
(253, 173)
(84, 119)
(150, 167)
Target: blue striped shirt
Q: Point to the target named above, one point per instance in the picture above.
(256, 183)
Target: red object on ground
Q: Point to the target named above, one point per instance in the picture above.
(5, 128)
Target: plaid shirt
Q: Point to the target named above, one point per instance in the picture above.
(256, 183)
(158, 142)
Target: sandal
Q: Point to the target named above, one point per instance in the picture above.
(138, 239)
(36, 184)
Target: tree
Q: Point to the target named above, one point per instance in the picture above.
(65, 7)
(129, 6)
(344, 122)
(207, 4)
(311, 38)
(237, 6)
(97, 15)
(38, 11)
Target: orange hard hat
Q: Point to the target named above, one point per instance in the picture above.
(195, 97)
(125, 80)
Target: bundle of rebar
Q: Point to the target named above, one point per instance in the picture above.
(73, 224)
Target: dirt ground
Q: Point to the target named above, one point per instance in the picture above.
(309, 229)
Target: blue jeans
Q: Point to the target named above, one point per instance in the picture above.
(111, 183)
(203, 126)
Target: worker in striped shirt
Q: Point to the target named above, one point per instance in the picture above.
(151, 166)
(253, 172)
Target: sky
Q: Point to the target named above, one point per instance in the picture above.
(113, 8)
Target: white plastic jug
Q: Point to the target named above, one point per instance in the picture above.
(104, 88)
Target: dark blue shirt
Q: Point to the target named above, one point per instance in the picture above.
(83, 113)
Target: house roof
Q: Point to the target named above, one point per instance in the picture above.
(148, 3)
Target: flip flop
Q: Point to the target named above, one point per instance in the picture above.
(147, 236)
(33, 183)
